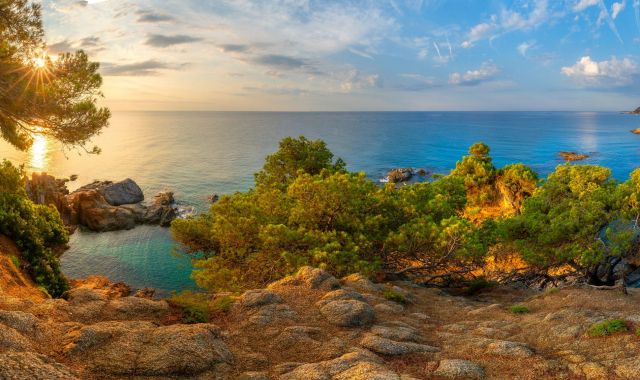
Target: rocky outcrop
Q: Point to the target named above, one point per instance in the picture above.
(635, 112)
(400, 175)
(288, 331)
(573, 156)
(103, 205)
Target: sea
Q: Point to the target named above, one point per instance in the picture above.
(198, 154)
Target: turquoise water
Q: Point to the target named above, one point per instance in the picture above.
(196, 154)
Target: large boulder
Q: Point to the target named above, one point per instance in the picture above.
(348, 313)
(122, 193)
(29, 365)
(459, 369)
(141, 348)
(97, 214)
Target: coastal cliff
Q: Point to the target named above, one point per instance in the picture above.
(314, 326)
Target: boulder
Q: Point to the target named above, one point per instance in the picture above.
(386, 346)
(509, 349)
(312, 278)
(122, 193)
(259, 297)
(141, 348)
(97, 214)
(348, 313)
(20, 321)
(400, 175)
(10, 339)
(459, 369)
(29, 365)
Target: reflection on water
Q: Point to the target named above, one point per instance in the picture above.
(38, 153)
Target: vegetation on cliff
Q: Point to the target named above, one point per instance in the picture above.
(307, 210)
(36, 230)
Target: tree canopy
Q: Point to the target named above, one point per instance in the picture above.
(56, 97)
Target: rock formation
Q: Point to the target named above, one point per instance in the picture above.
(400, 175)
(102, 205)
(573, 156)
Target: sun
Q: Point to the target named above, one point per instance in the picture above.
(39, 62)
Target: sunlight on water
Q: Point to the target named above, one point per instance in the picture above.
(38, 153)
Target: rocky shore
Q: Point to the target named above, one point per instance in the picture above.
(314, 326)
(102, 205)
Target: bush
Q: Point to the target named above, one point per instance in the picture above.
(305, 210)
(36, 230)
(194, 306)
(607, 328)
(198, 307)
(519, 309)
(394, 296)
(638, 331)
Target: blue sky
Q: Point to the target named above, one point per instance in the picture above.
(308, 55)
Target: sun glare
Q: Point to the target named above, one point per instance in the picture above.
(39, 62)
(38, 152)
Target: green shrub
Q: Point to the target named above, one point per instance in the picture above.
(638, 331)
(198, 307)
(194, 306)
(605, 328)
(36, 230)
(15, 260)
(222, 304)
(394, 296)
(519, 309)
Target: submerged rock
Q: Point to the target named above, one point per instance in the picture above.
(573, 156)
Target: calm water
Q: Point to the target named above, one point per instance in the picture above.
(200, 153)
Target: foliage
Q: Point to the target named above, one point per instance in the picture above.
(478, 173)
(608, 327)
(638, 331)
(15, 260)
(294, 155)
(36, 230)
(40, 95)
(330, 219)
(198, 307)
(518, 309)
(394, 296)
(560, 222)
(516, 182)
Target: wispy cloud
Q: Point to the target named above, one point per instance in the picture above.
(153, 17)
(145, 68)
(161, 40)
(487, 72)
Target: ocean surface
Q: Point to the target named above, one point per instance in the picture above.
(197, 154)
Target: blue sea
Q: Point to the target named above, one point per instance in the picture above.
(197, 154)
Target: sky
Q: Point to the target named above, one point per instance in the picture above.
(368, 55)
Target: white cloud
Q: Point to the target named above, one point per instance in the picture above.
(616, 8)
(509, 20)
(613, 73)
(479, 32)
(355, 81)
(524, 47)
(486, 72)
(581, 5)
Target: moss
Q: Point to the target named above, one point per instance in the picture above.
(605, 328)
(15, 260)
(519, 309)
(394, 296)
(199, 307)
